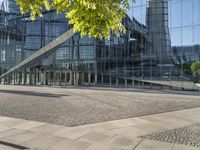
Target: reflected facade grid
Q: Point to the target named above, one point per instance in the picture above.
(161, 41)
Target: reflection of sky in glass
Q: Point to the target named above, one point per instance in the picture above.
(184, 19)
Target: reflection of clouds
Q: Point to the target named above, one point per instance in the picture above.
(1, 2)
(182, 31)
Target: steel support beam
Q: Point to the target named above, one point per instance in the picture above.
(50, 47)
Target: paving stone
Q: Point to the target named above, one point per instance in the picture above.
(118, 124)
(94, 136)
(116, 143)
(188, 135)
(173, 123)
(28, 125)
(78, 106)
(99, 146)
(43, 142)
(3, 128)
(36, 149)
(120, 141)
(10, 132)
(183, 147)
(12, 122)
(68, 144)
(3, 147)
(21, 137)
(112, 135)
(72, 133)
(135, 131)
(2, 119)
(47, 128)
(124, 142)
(118, 148)
(152, 145)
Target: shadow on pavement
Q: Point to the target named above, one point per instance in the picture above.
(29, 93)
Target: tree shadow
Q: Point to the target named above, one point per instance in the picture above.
(29, 93)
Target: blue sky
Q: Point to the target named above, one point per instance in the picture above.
(185, 15)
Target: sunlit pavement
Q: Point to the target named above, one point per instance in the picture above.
(119, 134)
(79, 106)
(112, 135)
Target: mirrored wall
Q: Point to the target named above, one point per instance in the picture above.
(161, 42)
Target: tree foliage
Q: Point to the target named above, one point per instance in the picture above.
(93, 17)
(195, 67)
(186, 68)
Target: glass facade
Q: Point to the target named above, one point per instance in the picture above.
(162, 39)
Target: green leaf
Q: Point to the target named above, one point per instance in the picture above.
(96, 18)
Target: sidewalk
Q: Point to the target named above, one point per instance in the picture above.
(111, 135)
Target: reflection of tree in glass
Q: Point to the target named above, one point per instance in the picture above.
(93, 17)
(195, 67)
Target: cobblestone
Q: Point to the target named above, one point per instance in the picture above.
(78, 106)
(189, 135)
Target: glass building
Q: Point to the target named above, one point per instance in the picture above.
(161, 41)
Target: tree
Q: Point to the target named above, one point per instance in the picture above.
(195, 67)
(97, 18)
(187, 68)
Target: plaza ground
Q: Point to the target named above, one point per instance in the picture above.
(49, 118)
(77, 106)
(125, 134)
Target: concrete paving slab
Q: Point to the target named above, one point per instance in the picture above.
(21, 137)
(135, 131)
(99, 146)
(10, 132)
(3, 128)
(122, 141)
(2, 119)
(152, 145)
(114, 144)
(183, 147)
(73, 133)
(68, 144)
(36, 149)
(95, 137)
(43, 142)
(170, 124)
(12, 122)
(47, 128)
(118, 148)
(29, 125)
(123, 123)
(3, 147)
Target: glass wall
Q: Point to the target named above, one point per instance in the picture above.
(172, 28)
(161, 42)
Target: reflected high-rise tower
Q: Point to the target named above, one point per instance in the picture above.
(158, 30)
(10, 35)
(11, 6)
(139, 58)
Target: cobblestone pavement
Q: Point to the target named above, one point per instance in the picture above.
(77, 106)
(189, 135)
(112, 135)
